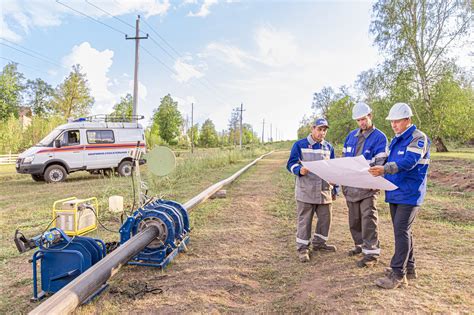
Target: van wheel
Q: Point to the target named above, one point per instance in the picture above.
(37, 177)
(55, 174)
(125, 168)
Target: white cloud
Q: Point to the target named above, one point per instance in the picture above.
(96, 65)
(229, 54)
(185, 71)
(284, 76)
(204, 10)
(276, 48)
(17, 17)
(120, 7)
(7, 33)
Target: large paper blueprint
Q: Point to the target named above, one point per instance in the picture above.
(348, 171)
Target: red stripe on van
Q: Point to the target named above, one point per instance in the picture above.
(102, 146)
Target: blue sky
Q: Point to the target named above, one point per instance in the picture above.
(270, 55)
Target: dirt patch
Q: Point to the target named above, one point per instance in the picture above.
(242, 259)
(230, 261)
(454, 174)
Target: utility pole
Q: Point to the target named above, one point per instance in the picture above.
(271, 133)
(263, 131)
(192, 127)
(135, 76)
(241, 110)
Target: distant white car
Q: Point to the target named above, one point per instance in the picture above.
(94, 144)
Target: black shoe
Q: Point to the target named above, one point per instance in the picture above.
(355, 251)
(324, 247)
(411, 273)
(303, 256)
(368, 261)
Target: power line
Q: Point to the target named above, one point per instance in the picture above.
(209, 86)
(173, 72)
(30, 50)
(153, 40)
(91, 18)
(111, 15)
(164, 40)
(31, 55)
(31, 67)
(161, 62)
(178, 54)
(119, 31)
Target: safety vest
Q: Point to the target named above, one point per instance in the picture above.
(310, 188)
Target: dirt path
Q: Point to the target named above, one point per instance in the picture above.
(242, 260)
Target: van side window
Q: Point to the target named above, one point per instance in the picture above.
(70, 138)
(100, 136)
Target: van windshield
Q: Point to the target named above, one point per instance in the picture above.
(49, 138)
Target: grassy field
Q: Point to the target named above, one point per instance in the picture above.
(444, 231)
(242, 259)
(26, 205)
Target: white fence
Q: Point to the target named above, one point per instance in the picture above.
(8, 158)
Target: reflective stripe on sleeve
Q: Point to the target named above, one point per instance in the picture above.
(293, 167)
(378, 156)
(321, 236)
(424, 161)
(300, 241)
(415, 150)
(320, 151)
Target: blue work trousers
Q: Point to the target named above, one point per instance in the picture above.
(403, 217)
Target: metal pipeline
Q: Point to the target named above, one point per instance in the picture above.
(77, 291)
(203, 196)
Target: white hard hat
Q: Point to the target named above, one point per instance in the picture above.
(360, 110)
(399, 111)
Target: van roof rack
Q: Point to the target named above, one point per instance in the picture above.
(110, 118)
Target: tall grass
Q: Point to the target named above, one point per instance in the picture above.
(199, 167)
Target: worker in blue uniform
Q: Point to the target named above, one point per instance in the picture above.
(407, 167)
(362, 203)
(313, 194)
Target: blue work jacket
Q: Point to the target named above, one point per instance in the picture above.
(374, 150)
(407, 167)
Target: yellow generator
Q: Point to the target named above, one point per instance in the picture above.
(76, 216)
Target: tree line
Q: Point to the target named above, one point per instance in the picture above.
(416, 37)
(47, 107)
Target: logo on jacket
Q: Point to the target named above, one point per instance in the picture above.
(421, 144)
(401, 152)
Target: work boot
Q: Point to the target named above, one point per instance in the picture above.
(355, 251)
(324, 247)
(368, 261)
(303, 255)
(411, 273)
(392, 281)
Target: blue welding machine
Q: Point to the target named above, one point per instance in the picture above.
(63, 258)
(172, 221)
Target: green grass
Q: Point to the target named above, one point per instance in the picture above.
(457, 154)
(26, 205)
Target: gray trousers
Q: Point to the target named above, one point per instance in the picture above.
(363, 223)
(305, 212)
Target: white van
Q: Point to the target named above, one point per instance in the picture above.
(95, 144)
